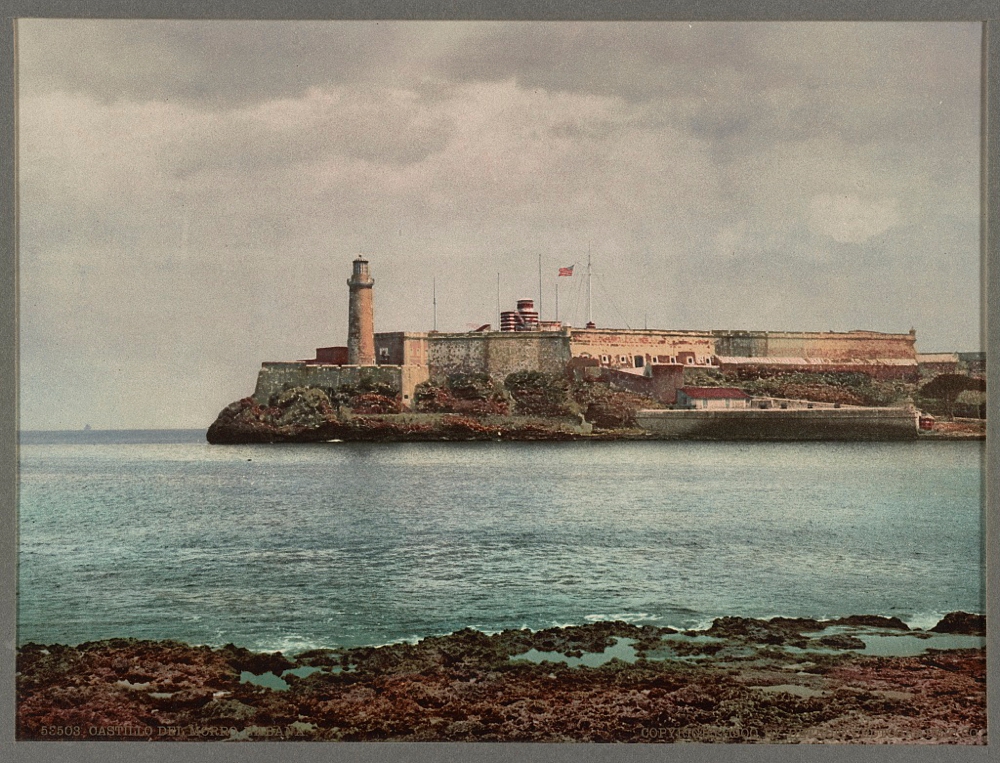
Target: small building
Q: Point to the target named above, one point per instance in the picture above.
(712, 397)
(332, 356)
(934, 363)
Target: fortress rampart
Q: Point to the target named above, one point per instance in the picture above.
(276, 377)
(637, 348)
(402, 360)
(498, 353)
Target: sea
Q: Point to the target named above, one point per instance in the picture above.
(159, 535)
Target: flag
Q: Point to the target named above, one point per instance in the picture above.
(566, 271)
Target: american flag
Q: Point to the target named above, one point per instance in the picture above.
(566, 271)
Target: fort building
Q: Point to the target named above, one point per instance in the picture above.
(650, 361)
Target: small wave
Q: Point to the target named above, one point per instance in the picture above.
(924, 620)
(699, 625)
(288, 645)
(628, 617)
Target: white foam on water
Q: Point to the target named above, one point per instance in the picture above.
(700, 625)
(924, 620)
(288, 645)
(628, 617)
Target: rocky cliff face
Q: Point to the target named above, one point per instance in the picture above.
(295, 415)
(306, 414)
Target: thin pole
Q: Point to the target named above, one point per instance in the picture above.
(557, 300)
(498, 302)
(434, 292)
(590, 293)
(539, 287)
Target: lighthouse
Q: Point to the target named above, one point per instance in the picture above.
(360, 316)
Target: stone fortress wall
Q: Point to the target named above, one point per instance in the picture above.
(277, 377)
(402, 360)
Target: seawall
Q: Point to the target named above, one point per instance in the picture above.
(780, 424)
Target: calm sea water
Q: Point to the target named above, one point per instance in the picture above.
(159, 535)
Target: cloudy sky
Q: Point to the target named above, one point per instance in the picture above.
(192, 193)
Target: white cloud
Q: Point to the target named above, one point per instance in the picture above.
(850, 218)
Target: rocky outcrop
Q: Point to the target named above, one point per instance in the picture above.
(961, 623)
(305, 414)
(295, 415)
(842, 641)
(871, 621)
(466, 687)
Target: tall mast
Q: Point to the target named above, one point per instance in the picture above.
(539, 287)
(498, 302)
(434, 299)
(590, 294)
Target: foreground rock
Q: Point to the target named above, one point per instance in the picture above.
(961, 622)
(737, 685)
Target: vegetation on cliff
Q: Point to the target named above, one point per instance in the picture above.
(942, 396)
(535, 405)
(298, 413)
(845, 388)
(468, 394)
(308, 415)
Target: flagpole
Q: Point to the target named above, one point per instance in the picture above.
(539, 287)
(590, 293)
(498, 302)
(434, 298)
(557, 299)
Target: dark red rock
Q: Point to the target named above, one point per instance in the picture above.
(871, 621)
(464, 687)
(962, 623)
(842, 641)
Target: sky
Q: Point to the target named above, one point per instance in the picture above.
(192, 193)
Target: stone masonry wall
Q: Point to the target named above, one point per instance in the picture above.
(630, 343)
(451, 353)
(833, 346)
(855, 345)
(507, 353)
(275, 377)
(497, 354)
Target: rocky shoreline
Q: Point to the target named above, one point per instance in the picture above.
(308, 416)
(784, 680)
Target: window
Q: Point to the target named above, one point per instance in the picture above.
(639, 361)
(673, 358)
(604, 358)
(623, 358)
